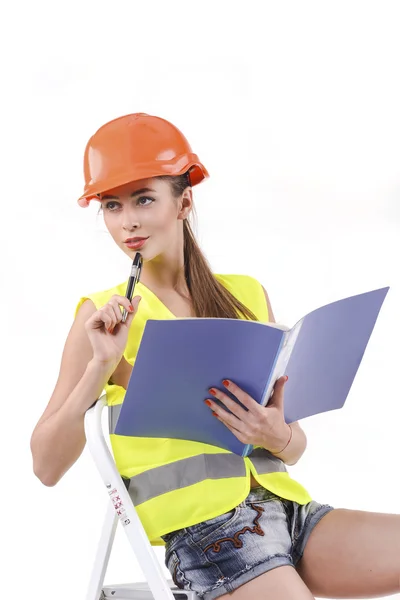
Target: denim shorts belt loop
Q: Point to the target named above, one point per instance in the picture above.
(219, 555)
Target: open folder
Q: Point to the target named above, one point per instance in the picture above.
(179, 360)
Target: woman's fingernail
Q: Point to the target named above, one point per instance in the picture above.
(208, 402)
(131, 308)
(286, 377)
(212, 391)
(225, 382)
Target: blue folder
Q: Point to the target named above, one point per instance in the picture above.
(179, 360)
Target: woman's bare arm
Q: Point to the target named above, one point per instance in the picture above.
(59, 436)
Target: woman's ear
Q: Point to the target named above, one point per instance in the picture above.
(185, 203)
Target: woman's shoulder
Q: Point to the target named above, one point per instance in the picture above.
(239, 279)
(248, 290)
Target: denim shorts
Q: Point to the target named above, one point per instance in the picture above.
(219, 555)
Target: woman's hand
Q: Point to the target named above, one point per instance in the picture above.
(263, 426)
(106, 332)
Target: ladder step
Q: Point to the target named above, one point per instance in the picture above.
(141, 591)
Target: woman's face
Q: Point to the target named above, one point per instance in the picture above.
(145, 209)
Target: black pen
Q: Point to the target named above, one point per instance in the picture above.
(132, 281)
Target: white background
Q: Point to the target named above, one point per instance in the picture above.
(294, 109)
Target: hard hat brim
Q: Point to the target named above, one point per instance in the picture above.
(188, 162)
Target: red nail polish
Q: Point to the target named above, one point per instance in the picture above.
(225, 382)
(207, 402)
(214, 414)
(130, 308)
(212, 391)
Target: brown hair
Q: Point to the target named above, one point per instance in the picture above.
(209, 297)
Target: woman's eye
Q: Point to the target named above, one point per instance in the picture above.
(145, 198)
(108, 204)
(139, 201)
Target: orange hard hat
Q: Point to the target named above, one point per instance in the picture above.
(135, 147)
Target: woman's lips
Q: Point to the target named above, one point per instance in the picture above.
(137, 244)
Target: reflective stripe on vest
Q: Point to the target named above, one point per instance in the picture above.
(189, 471)
(264, 461)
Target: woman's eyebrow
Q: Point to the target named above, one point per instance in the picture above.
(141, 191)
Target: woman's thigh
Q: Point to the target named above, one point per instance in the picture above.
(353, 554)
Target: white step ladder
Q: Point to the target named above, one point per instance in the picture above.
(121, 508)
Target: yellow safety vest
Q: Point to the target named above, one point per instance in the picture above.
(178, 483)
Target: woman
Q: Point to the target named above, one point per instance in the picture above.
(232, 526)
